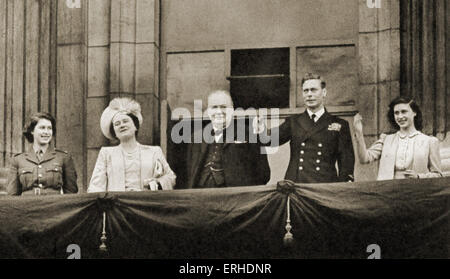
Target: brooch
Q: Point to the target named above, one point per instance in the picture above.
(334, 127)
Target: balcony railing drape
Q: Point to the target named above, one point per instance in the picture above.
(405, 218)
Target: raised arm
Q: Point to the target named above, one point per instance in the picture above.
(266, 136)
(366, 155)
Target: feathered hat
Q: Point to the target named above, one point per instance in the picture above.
(119, 105)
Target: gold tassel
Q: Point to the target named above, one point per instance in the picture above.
(288, 237)
(103, 238)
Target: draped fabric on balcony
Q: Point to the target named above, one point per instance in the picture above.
(405, 218)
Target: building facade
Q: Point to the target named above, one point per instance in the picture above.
(71, 57)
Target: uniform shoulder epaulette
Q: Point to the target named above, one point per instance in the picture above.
(62, 151)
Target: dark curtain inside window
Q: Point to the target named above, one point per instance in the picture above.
(424, 59)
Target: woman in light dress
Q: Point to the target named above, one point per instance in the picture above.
(408, 153)
(129, 166)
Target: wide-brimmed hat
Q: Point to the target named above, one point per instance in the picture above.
(119, 105)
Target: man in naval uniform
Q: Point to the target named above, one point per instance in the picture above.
(318, 139)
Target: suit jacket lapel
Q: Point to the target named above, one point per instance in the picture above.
(306, 124)
(227, 140)
(199, 153)
(48, 155)
(322, 123)
(32, 157)
(304, 121)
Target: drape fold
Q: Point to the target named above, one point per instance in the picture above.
(406, 218)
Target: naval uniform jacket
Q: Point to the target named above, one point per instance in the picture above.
(317, 147)
(242, 162)
(53, 174)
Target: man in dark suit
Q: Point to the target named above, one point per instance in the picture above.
(225, 157)
(319, 140)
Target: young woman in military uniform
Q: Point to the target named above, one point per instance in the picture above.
(43, 170)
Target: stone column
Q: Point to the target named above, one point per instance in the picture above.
(98, 75)
(379, 70)
(71, 82)
(134, 58)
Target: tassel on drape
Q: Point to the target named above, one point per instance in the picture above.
(288, 237)
(287, 187)
(103, 247)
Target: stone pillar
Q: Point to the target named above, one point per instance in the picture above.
(134, 58)
(70, 82)
(379, 70)
(98, 75)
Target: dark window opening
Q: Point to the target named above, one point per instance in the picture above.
(260, 78)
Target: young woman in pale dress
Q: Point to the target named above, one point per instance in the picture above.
(408, 153)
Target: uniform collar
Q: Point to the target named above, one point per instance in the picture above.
(48, 155)
(44, 149)
(318, 113)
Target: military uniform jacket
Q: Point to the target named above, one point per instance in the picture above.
(242, 162)
(317, 147)
(53, 173)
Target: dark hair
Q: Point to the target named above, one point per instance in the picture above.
(135, 121)
(414, 107)
(309, 76)
(32, 122)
